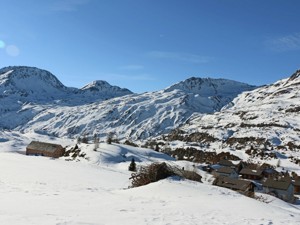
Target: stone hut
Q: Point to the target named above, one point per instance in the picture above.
(251, 174)
(45, 149)
(282, 188)
(244, 187)
(226, 172)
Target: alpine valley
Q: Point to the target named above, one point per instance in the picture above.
(193, 125)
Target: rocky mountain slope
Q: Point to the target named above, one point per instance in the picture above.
(57, 110)
(263, 123)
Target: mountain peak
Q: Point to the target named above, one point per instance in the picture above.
(96, 83)
(28, 80)
(295, 76)
(210, 86)
(105, 88)
(31, 84)
(265, 116)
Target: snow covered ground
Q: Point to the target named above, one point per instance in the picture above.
(40, 190)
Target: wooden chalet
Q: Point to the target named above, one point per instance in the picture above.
(45, 149)
(282, 188)
(244, 187)
(226, 172)
(251, 174)
(237, 165)
(270, 172)
(225, 162)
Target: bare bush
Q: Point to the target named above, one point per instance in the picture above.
(130, 143)
(158, 171)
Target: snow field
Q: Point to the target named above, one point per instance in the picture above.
(40, 190)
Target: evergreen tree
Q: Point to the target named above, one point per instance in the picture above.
(157, 148)
(109, 137)
(132, 166)
(96, 142)
(85, 139)
(79, 140)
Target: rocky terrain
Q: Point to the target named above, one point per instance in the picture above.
(263, 123)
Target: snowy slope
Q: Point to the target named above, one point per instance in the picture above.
(266, 119)
(35, 190)
(26, 91)
(54, 109)
(136, 116)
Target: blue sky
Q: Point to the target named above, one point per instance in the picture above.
(147, 45)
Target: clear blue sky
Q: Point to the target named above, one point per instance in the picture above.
(147, 45)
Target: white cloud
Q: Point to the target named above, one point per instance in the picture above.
(285, 43)
(68, 5)
(186, 57)
(132, 67)
(12, 50)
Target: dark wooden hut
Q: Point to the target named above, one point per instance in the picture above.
(45, 149)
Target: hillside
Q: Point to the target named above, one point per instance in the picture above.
(264, 123)
(95, 191)
(99, 108)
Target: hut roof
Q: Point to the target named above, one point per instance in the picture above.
(282, 184)
(232, 183)
(43, 146)
(225, 162)
(247, 171)
(226, 170)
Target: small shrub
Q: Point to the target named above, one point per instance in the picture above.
(130, 143)
(151, 173)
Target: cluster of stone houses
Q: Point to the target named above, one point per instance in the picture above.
(228, 174)
(236, 176)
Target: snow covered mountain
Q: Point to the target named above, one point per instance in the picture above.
(25, 91)
(105, 89)
(71, 112)
(87, 177)
(37, 85)
(261, 122)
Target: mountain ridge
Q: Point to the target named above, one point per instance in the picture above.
(136, 116)
(34, 81)
(260, 123)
